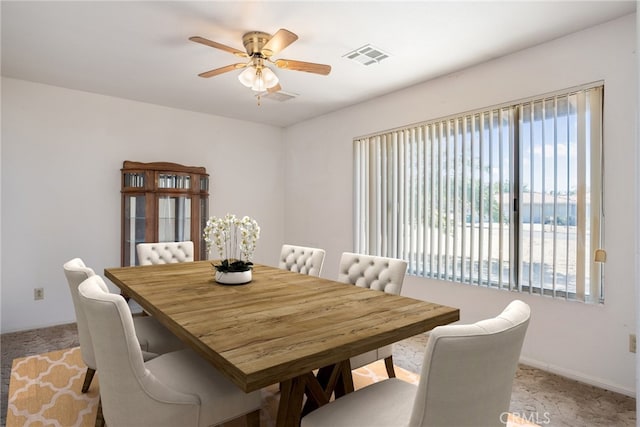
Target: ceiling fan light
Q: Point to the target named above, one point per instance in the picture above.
(258, 78)
(264, 79)
(248, 77)
(269, 77)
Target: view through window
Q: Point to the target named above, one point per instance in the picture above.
(507, 197)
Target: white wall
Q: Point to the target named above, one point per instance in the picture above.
(637, 205)
(583, 341)
(62, 151)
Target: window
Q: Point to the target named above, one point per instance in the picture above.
(508, 197)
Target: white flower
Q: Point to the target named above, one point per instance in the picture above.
(233, 238)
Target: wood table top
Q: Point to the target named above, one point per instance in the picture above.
(278, 326)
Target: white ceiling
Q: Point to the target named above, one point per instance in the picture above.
(140, 50)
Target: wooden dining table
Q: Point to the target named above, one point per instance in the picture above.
(282, 327)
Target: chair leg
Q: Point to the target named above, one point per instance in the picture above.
(388, 363)
(253, 418)
(87, 379)
(99, 416)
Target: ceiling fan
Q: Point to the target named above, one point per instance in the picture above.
(260, 48)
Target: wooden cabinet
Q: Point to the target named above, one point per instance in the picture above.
(163, 202)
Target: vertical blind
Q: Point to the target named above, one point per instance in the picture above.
(508, 197)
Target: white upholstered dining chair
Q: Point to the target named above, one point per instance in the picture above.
(301, 259)
(164, 252)
(174, 389)
(152, 336)
(378, 273)
(161, 253)
(466, 380)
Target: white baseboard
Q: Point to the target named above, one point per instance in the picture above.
(37, 326)
(578, 376)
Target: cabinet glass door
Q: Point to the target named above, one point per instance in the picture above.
(204, 216)
(174, 218)
(134, 226)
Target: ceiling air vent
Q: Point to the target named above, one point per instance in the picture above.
(367, 55)
(280, 96)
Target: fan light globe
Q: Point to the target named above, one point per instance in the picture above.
(258, 79)
(269, 78)
(246, 77)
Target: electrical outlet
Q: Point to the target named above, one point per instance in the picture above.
(632, 343)
(38, 293)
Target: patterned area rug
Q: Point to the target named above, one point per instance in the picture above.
(45, 391)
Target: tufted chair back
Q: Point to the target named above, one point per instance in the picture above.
(374, 272)
(380, 274)
(301, 259)
(164, 252)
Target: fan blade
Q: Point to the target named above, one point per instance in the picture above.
(281, 39)
(309, 67)
(217, 45)
(276, 88)
(221, 70)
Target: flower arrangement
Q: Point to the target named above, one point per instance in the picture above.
(235, 240)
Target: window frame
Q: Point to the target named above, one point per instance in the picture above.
(387, 222)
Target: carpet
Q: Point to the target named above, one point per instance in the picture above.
(44, 390)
